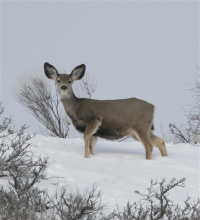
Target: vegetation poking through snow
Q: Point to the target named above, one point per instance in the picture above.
(189, 132)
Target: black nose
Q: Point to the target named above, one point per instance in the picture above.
(64, 87)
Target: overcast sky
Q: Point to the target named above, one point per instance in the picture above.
(143, 49)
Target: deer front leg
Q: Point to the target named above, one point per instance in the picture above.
(91, 128)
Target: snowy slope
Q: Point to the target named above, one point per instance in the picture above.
(119, 168)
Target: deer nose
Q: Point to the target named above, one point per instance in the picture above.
(64, 87)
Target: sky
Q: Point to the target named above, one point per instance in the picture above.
(143, 49)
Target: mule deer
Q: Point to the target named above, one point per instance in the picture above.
(109, 119)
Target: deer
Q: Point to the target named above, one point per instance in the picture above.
(108, 119)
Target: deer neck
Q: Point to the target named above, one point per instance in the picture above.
(71, 104)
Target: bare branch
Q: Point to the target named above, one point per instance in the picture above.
(86, 87)
(189, 132)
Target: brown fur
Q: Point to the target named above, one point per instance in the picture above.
(109, 119)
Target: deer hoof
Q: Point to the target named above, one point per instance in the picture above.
(164, 154)
(148, 156)
(87, 155)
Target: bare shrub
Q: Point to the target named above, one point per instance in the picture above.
(13, 144)
(74, 205)
(155, 204)
(189, 132)
(34, 92)
(31, 205)
(23, 171)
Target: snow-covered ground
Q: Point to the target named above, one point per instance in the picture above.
(119, 168)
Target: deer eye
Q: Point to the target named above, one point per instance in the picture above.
(69, 81)
(58, 81)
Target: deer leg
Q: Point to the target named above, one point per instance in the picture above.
(144, 138)
(93, 141)
(91, 128)
(159, 143)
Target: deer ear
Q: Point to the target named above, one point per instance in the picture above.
(50, 71)
(78, 72)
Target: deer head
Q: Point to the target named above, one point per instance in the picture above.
(64, 81)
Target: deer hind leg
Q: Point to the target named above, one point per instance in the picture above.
(144, 138)
(93, 141)
(91, 128)
(159, 143)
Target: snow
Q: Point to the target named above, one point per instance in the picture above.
(118, 168)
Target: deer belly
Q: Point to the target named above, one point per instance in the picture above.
(110, 133)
